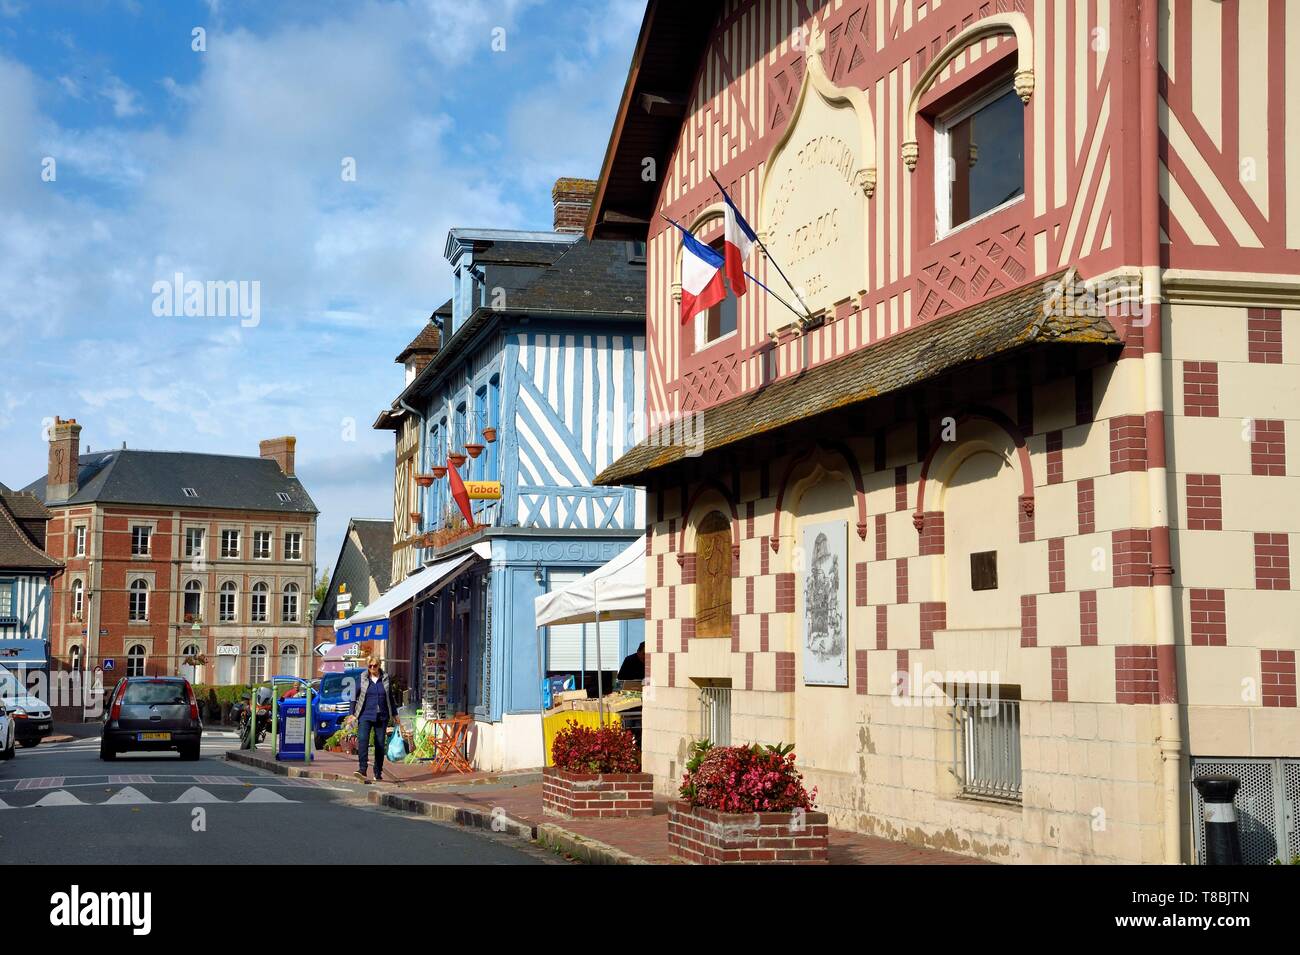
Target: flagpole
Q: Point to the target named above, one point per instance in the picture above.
(807, 313)
(793, 310)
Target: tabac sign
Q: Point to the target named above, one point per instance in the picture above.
(483, 490)
(819, 178)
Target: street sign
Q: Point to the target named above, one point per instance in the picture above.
(103, 631)
(483, 490)
(323, 648)
(108, 664)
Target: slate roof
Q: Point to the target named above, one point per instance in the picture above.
(22, 533)
(428, 340)
(376, 537)
(1001, 325)
(128, 476)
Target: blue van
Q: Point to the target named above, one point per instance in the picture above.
(334, 702)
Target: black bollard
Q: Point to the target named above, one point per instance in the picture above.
(1222, 843)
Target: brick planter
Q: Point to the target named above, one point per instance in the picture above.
(596, 795)
(707, 837)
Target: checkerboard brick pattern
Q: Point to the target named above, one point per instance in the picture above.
(1209, 618)
(1088, 618)
(1086, 500)
(1204, 502)
(932, 533)
(1055, 457)
(1060, 675)
(1128, 443)
(1028, 620)
(1056, 565)
(1277, 672)
(1272, 562)
(934, 616)
(1268, 449)
(1264, 330)
(860, 672)
(1136, 680)
(1201, 389)
(1131, 558)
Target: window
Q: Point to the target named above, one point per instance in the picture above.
(979, 158)
(293, 545)
(289, 660)
(7, 602)
(193, 542)
(74, 657)
(573, 647)
(80, 548)
(138, 608)
(193, 600)
(986, 744)
(140, 540)
(189, 492)
(78, 598)
(719, 321)
(713, 576)
(230, 543)
(257, 664)
(289, 605)
(257, 603)
(283, 497)
(226, 602)
(636, 253)
(715, 713)
(135, 660)
(984, 570)
(261, 545)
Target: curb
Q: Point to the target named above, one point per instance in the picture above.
(461, 815)
(296, 769)
(584, 849)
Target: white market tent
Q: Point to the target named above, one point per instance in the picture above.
(615, 591)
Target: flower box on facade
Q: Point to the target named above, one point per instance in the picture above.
(489, 434)
(474, 449)
(439, 471)
(708, 837)
(424, 480)
(596, 795)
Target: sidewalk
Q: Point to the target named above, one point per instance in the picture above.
(518, 808)
(337, 766)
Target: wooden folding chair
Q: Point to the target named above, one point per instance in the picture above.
(450, 742)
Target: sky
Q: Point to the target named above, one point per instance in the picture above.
(313, 152)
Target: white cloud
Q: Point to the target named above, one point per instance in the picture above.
(124, 99)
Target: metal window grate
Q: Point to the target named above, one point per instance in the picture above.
(1265, 804)
(986, 747)
(715, 714)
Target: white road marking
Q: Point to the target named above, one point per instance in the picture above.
(264, 795)
(124, 797)
(195, 794)
(60, 797)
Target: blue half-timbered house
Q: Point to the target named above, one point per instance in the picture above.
(537, 379)
(26, 572)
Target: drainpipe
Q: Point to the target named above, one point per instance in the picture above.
(1169, 737)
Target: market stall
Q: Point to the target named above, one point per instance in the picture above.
(615, 591)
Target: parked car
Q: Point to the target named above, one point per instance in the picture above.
(32, 718)
(7, 734)
(332, 704)
(152, 714)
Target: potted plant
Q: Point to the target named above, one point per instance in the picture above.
(596, 775)
(746, 804)
(474, 448)
(489, 434)
(415, 517)
(424, 480)
(456, 459)
(439, 471)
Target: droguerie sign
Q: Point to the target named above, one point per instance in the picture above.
(814, 199)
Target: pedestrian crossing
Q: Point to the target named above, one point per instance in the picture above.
(130, 796)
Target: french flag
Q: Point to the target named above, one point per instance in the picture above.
(738, 241)
(702, 284)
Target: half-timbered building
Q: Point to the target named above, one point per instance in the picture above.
(990, 519)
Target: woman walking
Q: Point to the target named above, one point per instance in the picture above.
(374, 707)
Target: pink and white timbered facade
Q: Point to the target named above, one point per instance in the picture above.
(1044, 390)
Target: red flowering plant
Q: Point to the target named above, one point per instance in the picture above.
(745, 779)
(608, 749)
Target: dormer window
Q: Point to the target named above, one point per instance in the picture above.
(189, 492)
(283, 497)
(979, 158)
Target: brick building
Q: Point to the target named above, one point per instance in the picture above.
(157, 542)
(997, 531)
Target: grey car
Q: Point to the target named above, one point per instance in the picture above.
(152, 714)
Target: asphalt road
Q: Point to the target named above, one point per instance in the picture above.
(59, 804)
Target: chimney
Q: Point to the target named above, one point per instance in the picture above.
(61, 478)
(280, 450)
(572, 199)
